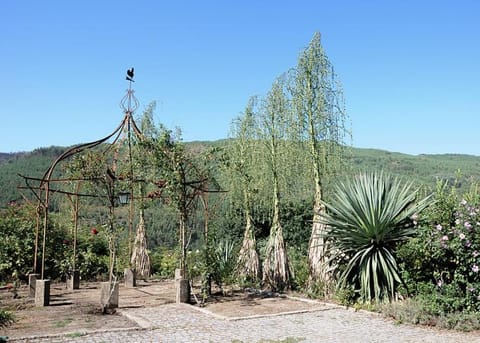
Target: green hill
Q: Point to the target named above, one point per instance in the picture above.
(424, 170)
(33, 164)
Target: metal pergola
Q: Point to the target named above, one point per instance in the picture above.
(111, 144)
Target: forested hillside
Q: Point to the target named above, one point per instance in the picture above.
(422, 169)
(33, 164)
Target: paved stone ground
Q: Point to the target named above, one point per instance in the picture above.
(183, 323)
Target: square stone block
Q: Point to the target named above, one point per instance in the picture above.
(42, 293)
(182, 291)
(109, 295)
(32, 279)
(73, 279)
(130, 277)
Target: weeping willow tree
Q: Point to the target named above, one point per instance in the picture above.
(273, 126)
(320, 124)
(242, 170)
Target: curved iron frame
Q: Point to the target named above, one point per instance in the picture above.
(129, 104)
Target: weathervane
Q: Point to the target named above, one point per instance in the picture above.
(130, 75)
(129, 102)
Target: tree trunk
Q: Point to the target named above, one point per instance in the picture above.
(140, 259)
(276, 272)
(318, 253)
(275, 267)
(248, 265)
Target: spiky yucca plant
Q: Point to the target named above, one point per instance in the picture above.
(367, 218)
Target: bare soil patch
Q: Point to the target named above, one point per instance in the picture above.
(79, 311)
(249, 303)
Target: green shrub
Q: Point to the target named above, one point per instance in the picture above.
(17, 232)
(164, 262)
(442, 262)
(6, 318)
(299, 265)
(368, 216)
(296, 218)
(346, 296)
(420, 310)
(225, 255)
(216, 262)
(92, 255)
(195, 263)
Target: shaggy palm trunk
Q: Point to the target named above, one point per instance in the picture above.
(317, 249)
(248, 266)
(140, 259)
(275, 267)
(276, 273)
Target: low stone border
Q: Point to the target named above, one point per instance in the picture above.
(74, 333)
(254, 316)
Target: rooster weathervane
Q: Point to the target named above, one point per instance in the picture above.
(130, 74)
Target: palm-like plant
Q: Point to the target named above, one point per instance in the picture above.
(367, 218)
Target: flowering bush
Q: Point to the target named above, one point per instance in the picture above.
(442, 263)
(458, 246)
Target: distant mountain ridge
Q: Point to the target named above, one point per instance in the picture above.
(5, 156)
(423, 170)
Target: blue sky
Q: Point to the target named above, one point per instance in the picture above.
(410, 69)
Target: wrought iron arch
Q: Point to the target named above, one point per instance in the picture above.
(43, 187)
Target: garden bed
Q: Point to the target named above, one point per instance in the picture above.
(237, 304)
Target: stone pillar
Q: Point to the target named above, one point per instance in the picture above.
(73, 279)
(182, 288)
(130, 277)
(109, 295)
(32, 279)
(42, 293)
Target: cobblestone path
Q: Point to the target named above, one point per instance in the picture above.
(183, 323)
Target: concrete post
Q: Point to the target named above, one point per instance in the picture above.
(73, 279)
(42, 293)
(130, 277)
(182, 288)
(109, 295)
(32, 279)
